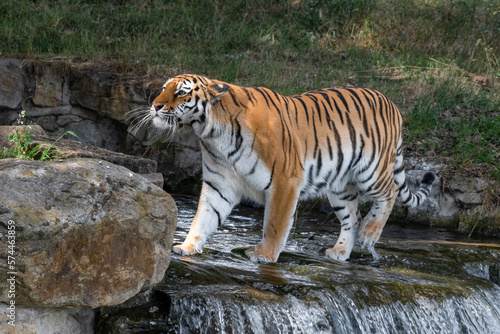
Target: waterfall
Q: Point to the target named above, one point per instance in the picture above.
(334, 312)
(418, 284)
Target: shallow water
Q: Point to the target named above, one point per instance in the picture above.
(425, 280)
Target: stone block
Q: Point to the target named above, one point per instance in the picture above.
(107, 94)
(11, 83)
(51, 84)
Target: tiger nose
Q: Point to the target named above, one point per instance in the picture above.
(158, 106)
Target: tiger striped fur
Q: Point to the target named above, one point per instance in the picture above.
(277, 150)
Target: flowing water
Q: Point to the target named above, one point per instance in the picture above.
(425, 280)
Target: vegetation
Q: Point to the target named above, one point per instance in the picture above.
(439, 60)
(25, 148)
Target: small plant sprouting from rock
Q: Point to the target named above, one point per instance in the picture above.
(25, 148)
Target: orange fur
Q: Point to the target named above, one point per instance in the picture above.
(336, 142)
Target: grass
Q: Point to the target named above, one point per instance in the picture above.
(439, 60)
(26, 149)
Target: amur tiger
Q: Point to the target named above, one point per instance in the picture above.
(277, 150)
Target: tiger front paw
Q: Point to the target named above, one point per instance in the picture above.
(188, 248)
(337, 253)
(258, 255)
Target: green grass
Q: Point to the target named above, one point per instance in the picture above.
(24, 148)
(439, 60)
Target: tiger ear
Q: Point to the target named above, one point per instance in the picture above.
(217, 91)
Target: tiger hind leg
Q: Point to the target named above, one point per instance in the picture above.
(374, 222)
(345, 206)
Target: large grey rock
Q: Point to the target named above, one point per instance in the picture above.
(47, 321)
(89, 233)
(11, 83)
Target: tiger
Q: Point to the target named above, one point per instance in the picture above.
(278, 150)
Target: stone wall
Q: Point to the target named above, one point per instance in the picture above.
(63, 95)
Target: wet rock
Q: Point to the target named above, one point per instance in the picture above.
(89, 233)
(47, 320)
(479, 220)
(11, 83)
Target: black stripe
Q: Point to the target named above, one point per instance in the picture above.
(238, 137)
(271, 178)
(352, 135)
(372, 157)
(372, 106)
(326, 98)
(296, 112)
(315, 101)
(360, 155)
(330, 152)
(316, 142)
(327, 116)
(327, 176)
(362, 114)
(219, 220)
(305, 108)
(287, 109)
(399, 170)
(339, 112)
(383, 107)
(310, 178)
(217, 190)
(327, 110)
(211, 170)
(249, 96)
(263, 95)
(403, 186)
(231, 93)
(213, 155)
(340, 154)
(349, 197)
(342, 98)
(319, 163)
(283, 124)
(253, 168)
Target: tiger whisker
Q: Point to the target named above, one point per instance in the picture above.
(140, 118)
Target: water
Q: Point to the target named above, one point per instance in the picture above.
(424, 281)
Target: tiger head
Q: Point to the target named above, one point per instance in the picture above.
(185, 102)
